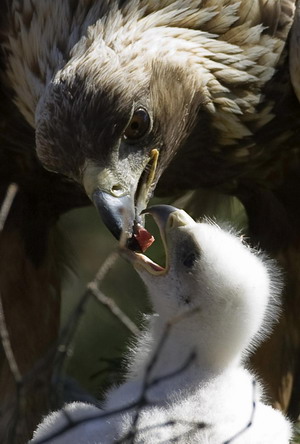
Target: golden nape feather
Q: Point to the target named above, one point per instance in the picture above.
(232, 48)
(115, 101)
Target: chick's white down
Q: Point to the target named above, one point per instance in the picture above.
(214, 303)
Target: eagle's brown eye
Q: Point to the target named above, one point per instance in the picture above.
(138, 125)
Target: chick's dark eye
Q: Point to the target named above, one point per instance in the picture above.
(138, 125)
(190, 260)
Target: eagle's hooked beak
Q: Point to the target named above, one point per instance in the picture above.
(120, 203)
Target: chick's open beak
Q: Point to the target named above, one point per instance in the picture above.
(167, 218)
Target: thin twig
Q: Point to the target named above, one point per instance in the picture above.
(7, 347)
(5, 339)
(7, 203)
(105, 267)
(113, 308)
(147, 383)
(71, 327)
(194, 428)
(143, 401)
(109, 414)
(250, 422)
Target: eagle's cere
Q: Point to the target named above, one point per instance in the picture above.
(219, 299)
(118, 99)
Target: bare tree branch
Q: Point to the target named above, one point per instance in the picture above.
(4, 212)
(7, 203)
(113, 308)
(7, 347)
(231, 440)
(73, 321)
(147, 383)
(143, 401)
(4, 334)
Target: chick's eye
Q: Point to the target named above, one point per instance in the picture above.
(190, 260)
(138, 125)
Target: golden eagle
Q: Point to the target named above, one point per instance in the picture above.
(116, 100)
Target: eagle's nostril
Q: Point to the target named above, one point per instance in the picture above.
(117, 190)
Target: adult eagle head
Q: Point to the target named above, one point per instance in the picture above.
(116, 113)
(113, 89)
(112, 122)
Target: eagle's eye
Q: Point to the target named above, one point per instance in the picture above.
(138, 125)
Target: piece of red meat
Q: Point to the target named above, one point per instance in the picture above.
(143, 237)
